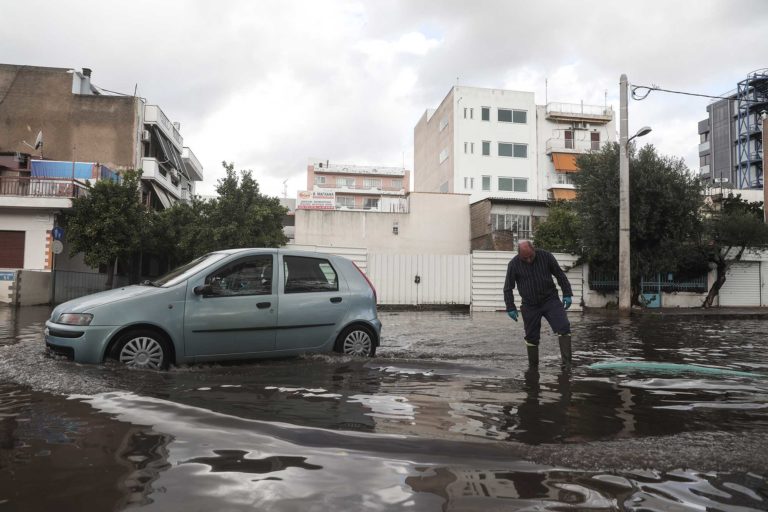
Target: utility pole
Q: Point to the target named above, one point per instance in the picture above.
(625, 295)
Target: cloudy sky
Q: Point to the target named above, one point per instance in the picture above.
(268, 84)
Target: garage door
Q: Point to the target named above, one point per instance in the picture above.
(742, 285)
(12, 249)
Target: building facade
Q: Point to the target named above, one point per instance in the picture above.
(359, 187)
(730, 138)
(60, 131)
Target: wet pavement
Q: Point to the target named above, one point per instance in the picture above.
(446, 417)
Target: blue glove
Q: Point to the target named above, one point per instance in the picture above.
(567, 300)
(513, 315)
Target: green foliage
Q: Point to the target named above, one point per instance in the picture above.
(739, 223)
(560, 231)
(665, 205)
(107, 223)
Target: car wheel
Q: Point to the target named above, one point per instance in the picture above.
(142, 349)
(356, 341)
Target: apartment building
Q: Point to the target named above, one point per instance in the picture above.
(509, 154)
(59, 131)
(354, 187)
(730, 138)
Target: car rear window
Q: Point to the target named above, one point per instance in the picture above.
(303, 275)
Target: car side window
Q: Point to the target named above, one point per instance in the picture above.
(247, 276)
(303, 275)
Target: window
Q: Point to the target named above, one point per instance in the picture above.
(514, 150)
(465, 112)
(466, 148)
(513, 184)
(704, 160)
(472, 147)
(486, 183)
(372, 183)
(246, 276)
(520, 224)
(594, 139)
(471, 113)
(704, 137)
(485, 113)
(303, 275)
(504, 115)
(486, 148)
(568, 139)
(345, 182)
(371, 203)
(519, 116)
(443, 123)
(444, 155)
(319, 180)
(345, 201)
(396, 183)
(469, 183)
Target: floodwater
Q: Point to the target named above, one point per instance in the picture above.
(446, 417)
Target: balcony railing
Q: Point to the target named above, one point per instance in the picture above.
(194, 167)
(572, 145)
(153, 114)
(360, 188)
(41, 187)
(580, 110)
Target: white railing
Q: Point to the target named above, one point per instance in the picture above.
(704, 146)
(571, 145)
(579, 109)
(152, 170)
(153, 114)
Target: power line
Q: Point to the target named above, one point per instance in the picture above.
(637, 96)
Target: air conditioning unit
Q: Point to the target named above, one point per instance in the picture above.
(145, 136)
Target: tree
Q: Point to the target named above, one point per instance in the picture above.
(665, 202)
(108, 222)
(560, 231)
(738, 225)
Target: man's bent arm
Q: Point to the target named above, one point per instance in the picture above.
(509, 285)
(562, 280)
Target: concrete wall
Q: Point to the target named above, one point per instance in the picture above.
(436, 224)
(8, 286)
(429, 174)
(37, 226)
(100, 128)
(33, 288)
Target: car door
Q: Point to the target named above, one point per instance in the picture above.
(237, 312)
(313, 302)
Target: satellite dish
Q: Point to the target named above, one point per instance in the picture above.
(39, 140)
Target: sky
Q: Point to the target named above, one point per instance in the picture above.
(270, 84)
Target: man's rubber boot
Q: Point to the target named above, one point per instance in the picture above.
(533, 355)
(565, 348)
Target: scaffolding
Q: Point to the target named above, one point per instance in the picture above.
(752, 100)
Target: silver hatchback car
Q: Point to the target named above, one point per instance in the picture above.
(234, 304)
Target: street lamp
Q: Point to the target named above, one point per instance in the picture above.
(625, 283)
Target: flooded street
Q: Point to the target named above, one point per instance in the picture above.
(446, 417)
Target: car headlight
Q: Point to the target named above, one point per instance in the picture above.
(75, 319)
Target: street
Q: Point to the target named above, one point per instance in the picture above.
(444, 418)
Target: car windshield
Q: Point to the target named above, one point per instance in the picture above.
(181, 273)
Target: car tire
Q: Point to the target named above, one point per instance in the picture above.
(356, 340)
(143, 349)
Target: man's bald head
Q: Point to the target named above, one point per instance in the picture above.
(526, 251)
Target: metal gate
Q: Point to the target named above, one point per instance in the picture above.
(742, 285)
(421, 279)
(489, 271)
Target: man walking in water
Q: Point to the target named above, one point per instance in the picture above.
(531, 271)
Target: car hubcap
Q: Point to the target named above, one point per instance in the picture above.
(142, 353)
(357, 343)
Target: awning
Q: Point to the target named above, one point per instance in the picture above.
(565, 162)
(161, 195)
(171, 155)
(564, 193)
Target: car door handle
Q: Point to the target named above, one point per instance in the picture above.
(335, 300)
(263, 305)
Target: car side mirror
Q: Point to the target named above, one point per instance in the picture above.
(204, 289)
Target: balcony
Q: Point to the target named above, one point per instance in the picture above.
(704, 147)
(579, 111)
(360, 189)
(39, 192)
(704, 171)
(152, 170)
(192, 164)
(153, 115)
(559, 145)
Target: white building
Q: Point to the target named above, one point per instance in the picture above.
(480, 142)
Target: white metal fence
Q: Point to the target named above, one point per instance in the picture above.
(421, 279)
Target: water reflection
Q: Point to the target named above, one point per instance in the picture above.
(236, 461)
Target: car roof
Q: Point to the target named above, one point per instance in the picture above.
(272, 250)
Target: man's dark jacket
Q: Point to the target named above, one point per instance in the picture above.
(534, 280)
